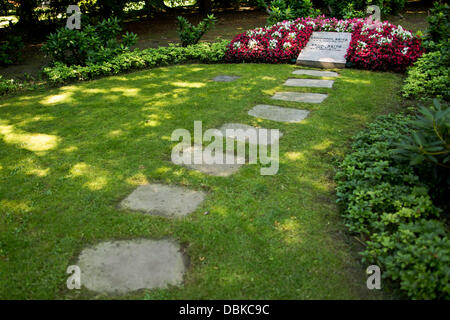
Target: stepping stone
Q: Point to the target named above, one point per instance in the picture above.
(236, 126)
(310, 83)
(316, 73)
(224, 78)
(278, 113)
(120, 267)
(215, 169)
(163, 200)
(300, 97)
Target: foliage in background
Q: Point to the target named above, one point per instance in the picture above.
(386, 203)
(429, 77)
(347, 8)
(190, 34)
(138, 59)
(11, 50)
(439, 25)
(375, 47)
(280, 10)
(92, 44)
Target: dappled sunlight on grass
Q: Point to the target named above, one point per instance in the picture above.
(36, 142)
(186, 84)
(290, 230)
(262, 237)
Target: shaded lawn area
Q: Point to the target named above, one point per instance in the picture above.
(70, 155)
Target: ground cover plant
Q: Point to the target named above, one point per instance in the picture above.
(374, 46)
(388, 203)
(69, 155)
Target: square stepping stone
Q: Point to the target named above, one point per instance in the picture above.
(316, 73)
(224, 78)
(300, 97)
(163, 200)
(276, 113)
(244, 138)
(120, 267)
(310, 83)
(222, 169)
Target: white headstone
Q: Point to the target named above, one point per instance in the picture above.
(325, 50)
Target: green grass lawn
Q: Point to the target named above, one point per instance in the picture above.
(68, 157)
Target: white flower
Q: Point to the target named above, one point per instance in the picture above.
(292, 35)
(252, 44)
(362, 44)
(236, 45)
(250, 33)
(287, 45)
(311, 23)
(260, 32)
(300, 26)
(276, 34)
(384, 40)
(405, 51)
(401, 33)
(273, 44)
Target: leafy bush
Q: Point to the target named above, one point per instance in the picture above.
(190, 34)
(374, 46)
(417, 256)
(378, 191)
(280, 10)
(439, 23)
(138, 59)
(387, 203)
(429, 77)
(93, 44)
(340, 8)
(427, 149)
(8, 85)
(10, 49)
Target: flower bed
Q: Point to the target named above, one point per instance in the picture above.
(374, 45)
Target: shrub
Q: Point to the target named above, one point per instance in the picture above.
(138, 59)
(190, 34)
(417, 256)
(10, 50)
(341, 7)
(8, 85)
(374, 46)
(429, 77)
(93, 44)
(377, 191)
(387, 204)
(427, 149)
(439, 24)
(280, 10)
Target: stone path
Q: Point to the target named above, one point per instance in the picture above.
(300, 97)
(120, 267)
(311, 83)
(280, 114)
(244, 138)
(213, 168)
(224, 78)
(159, 199)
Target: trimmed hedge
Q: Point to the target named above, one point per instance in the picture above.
(385, 202)
(138, 59)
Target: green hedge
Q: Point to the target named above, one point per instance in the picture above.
(429, 77)
(138, 59)
(382, 198)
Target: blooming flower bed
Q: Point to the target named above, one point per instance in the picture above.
(374, 45)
